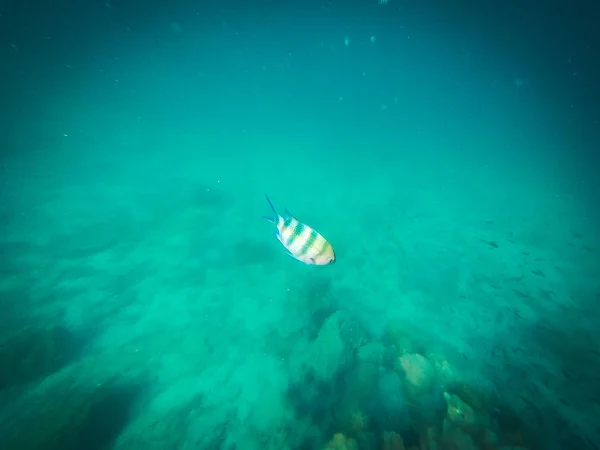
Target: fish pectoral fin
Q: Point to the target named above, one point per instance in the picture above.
(291, 255)
(279, 238)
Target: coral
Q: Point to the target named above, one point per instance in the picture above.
(400, 337)
(373, 352)
(489, 439)
(445, 373)
(429, 439)
(513, 430)
(341, 442)
(474, 396)
(392, 441)
(475, 422)
(459, 412)
(366, 440)
(352, 333)
(358, 421)
(454, 438)
(419, 374)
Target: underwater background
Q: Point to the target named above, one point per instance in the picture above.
(447, 150)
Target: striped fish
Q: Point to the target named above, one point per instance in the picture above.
(301, 241)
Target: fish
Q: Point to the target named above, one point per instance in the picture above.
(301, 241)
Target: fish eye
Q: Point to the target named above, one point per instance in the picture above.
(331, 260)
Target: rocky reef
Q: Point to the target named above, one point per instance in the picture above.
(33, 352)
(394, 395)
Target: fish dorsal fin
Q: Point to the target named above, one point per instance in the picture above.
(287, 217)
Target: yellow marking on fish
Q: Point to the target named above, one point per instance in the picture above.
(299, 242)
(286, 231)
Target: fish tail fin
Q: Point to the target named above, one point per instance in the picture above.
(271, 219)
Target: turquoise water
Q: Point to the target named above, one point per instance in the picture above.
(146, 304)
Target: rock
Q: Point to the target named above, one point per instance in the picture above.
(64, 416)
(34, 352)
(87, 401)
(329, 352)
(373, 352)
(359, 386)
(392, 400)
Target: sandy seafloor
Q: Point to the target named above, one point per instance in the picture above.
(146, 305)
